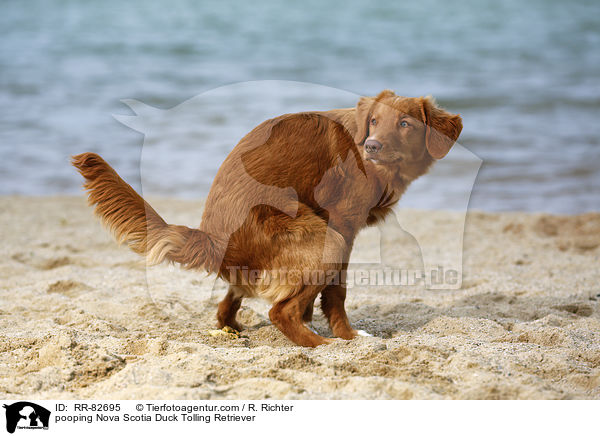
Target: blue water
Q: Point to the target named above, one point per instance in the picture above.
(525, 77)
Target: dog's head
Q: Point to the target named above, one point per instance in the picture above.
(395, 130)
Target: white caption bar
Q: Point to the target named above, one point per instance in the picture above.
(88, 417)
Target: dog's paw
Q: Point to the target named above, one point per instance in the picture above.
(363, 333)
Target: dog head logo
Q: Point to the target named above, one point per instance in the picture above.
(26, 415)
(447, 186)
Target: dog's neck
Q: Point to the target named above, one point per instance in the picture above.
(392, 180)
(346, 117)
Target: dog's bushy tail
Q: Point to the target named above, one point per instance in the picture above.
(133, 221)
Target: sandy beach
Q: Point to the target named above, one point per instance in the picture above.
(81, 317)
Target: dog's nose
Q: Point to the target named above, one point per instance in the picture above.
(373, 146)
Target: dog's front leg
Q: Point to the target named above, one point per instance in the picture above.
(332, 303)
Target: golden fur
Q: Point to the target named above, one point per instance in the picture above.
(287, 204)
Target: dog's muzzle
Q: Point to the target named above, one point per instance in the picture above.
(373, 146)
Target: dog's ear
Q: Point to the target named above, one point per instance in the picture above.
(441, 128)
(363, 116)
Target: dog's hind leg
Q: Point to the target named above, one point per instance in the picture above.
(308, 312)
(287, 316)
(307, 317)
(228, 308)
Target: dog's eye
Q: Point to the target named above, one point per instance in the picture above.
(404, 124)
(373, 122)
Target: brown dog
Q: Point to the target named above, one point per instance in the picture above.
(287, 203)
